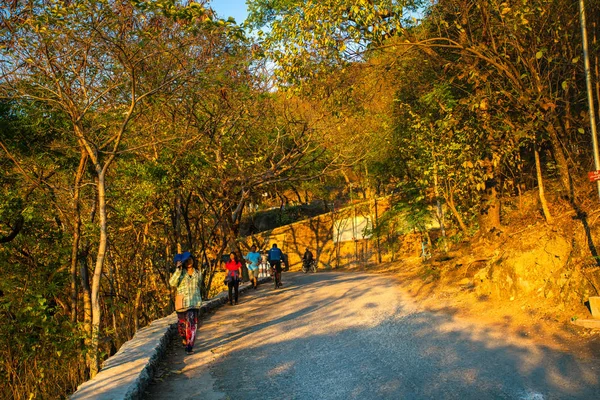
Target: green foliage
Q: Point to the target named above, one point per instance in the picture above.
(173, 104)
(305, 38)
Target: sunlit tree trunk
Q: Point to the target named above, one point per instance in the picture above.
(452, 206)
(100, 257)
(489, 210)
(440, 211)
(538, 170)
(76, 235)
(561, 160)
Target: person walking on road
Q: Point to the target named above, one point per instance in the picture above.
(234, 272)
(275, 256)
(254, 258)
(188, 281)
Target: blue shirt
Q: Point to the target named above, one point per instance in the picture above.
(275, 254)
(254, 258)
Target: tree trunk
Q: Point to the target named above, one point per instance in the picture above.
(561, 160)
(214, 268)
(87, 302)
(138, 301)
(461, 223)
(376, 226)
(297, 193)
(538, 170)
(177, 223)
(440, 211)
(76, 235)
(489, 211)
(96, 279)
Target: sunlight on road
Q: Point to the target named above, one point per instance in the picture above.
(339, 336)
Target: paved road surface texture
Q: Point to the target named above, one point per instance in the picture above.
(357, 336)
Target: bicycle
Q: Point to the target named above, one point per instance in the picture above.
(276, 275)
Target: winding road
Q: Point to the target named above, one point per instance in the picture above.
(358, 336)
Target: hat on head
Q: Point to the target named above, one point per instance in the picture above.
(185, 256)
(181, 258)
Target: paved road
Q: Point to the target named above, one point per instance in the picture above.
(357, 336)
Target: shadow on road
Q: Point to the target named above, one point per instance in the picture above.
(340, 336)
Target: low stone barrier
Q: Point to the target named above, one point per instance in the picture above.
(127, 374)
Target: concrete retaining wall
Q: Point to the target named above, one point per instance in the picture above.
(317, 234)
(127, 374)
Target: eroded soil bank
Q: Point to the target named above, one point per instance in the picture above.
(532, 278)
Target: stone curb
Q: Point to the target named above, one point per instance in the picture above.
(126, 375)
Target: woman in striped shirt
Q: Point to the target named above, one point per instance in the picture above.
(188, 281)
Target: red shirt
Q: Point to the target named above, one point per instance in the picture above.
(232, 265)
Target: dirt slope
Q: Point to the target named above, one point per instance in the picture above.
(531, 278)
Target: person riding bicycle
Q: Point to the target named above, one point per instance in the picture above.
(275, 256)
(307, 258)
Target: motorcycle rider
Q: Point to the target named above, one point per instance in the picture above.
(307, 259)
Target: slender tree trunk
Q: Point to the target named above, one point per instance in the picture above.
(74, 260)
(215, 267)
(112, 277)
(86, 288)
(138, 301)
(489, 211)
(440, 211)
(538, 170)
(561, 159)
(102, 246)
(377, 232)
(177, 224)
(189, 234)
(87, 303)
(297, 193)
(335, 234)
(76, 234)
(452, 206)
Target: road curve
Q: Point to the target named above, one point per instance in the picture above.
(358, 336)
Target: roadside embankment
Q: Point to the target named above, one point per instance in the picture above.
(125, 375)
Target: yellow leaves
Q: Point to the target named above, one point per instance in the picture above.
(484, 104)
(505, 10)
(468, 164)
(548, 106)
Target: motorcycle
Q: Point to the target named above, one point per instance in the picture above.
(310, 266)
